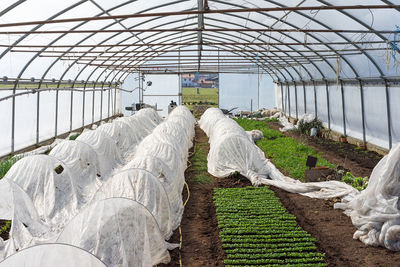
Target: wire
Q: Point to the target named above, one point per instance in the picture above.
(184, 204)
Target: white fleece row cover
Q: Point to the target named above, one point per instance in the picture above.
(85, 195)
(375, 211)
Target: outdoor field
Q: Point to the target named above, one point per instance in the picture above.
(208, 96)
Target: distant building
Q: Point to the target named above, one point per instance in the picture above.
(202, 80)
(188, 81)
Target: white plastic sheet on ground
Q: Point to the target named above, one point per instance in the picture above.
(287, 126)
(375, 212)
(50, 255)
(231, 150)
(119, 231)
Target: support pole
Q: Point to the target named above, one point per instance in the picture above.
(305, 98)
(84, 104)
(101, 101)
(327, 105)
(288, 94)
(363, 112)
(219, 106)
(295, 99)
(343, 108)
(388, 115)
(180, 77)
(258, 87)
(37, 116)
(71, 108)
(283, 107)
(140, 88)
(115, 99)
(56, 112)
(315, 100)
(108, 102)
(93, 96)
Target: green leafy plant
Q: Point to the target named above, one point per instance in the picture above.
(305, 127)
(5, 165)
(249, 125)
(6, 227)
(285, 152)
(256, 229)
(73, 137)
(360, 183)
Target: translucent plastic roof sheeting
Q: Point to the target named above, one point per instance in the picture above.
(141, 186)
(356, 38)
(50, 255)
(119, 231)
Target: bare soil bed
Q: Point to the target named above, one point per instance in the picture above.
(201, 245)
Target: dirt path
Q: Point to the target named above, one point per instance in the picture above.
(201, 245)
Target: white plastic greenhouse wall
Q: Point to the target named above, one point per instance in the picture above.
(344, 112)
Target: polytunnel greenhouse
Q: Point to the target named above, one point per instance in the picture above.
(199, 133)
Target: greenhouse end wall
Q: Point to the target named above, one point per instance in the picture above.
(362, 110)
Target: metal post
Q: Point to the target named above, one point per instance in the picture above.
(258, 87)
(108, 102)
(94, 91)
(140, 89)
(305, 98)
(363, 112)
(295, 99)
(56, 116)
(388, 114)
(218, 82)
(37, 116)
(327, 105)
(13, 119)
(251, 105)
(180, 78)
(281, 85)
(115, 99)
(288, 94)
(101, 101)
(315, 100)
(343, 109)
(71, 108)
(83, 104)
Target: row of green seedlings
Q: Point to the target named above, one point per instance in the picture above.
(256, 229)
(290, 155)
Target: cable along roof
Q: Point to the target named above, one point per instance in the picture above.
(99, 41)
